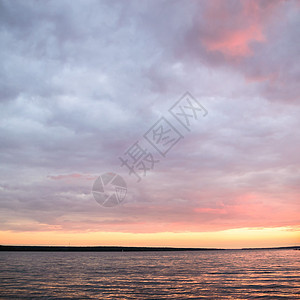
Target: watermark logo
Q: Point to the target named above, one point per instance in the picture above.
(110, 189)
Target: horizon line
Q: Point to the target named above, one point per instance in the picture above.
(129, 248)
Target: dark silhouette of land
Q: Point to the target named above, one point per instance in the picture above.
(122, 249)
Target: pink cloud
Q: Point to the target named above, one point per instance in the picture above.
(72, 176)
(236, 43)
(233, 29)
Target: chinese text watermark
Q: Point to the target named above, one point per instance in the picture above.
(110, 189)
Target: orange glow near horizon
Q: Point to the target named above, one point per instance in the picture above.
(233, 238)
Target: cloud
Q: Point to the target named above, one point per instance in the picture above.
(258, 39)
(82, 82)
(72, 176)
(236, 27)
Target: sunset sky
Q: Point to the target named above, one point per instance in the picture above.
(81, 81)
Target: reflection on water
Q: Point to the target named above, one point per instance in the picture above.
(272, 274)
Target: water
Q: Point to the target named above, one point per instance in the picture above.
(268, 274)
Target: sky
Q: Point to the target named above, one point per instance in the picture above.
(83, 81)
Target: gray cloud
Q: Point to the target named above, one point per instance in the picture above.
(81, 82)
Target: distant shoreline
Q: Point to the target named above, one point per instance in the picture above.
(123, 249)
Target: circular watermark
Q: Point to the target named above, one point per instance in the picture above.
(109, 189)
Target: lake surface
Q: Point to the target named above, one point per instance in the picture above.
(234, 274)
